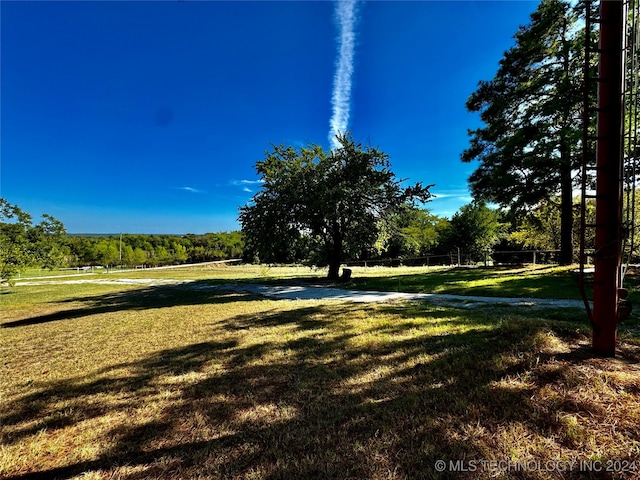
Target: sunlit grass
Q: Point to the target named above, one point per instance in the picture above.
(184, 381)
(541, 281)
(225, 271)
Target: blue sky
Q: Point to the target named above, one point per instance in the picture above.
(148, 117)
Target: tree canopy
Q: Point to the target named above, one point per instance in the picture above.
(320, 206)
(23, 244)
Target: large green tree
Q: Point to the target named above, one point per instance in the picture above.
(320, 206)
(23, 244)
(15, 251)
(47, 242)
(529, 147)
(475, 229)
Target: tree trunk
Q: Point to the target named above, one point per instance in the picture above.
(335, 257)
(334, 270)
(566, 215)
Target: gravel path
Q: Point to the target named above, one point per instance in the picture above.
(314, 292)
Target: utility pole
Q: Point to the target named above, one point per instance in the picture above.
(608, 234)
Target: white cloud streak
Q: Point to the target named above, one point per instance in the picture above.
(246, 182)
(191, 190)
(456, 194)
(341, 97)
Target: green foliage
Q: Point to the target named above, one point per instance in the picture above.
(128, 256)
(139, 256)
(529, 147)
(14, 246)
(214, 246)
(541, 227)
(475, 229)
(108, 252)
(23, 244)
(46, 241)
(322, 207)
(152, 250)
(410, 232)
(631, 222)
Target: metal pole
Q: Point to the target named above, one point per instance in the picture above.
(608, 239)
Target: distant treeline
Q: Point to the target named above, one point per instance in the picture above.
(149, 250)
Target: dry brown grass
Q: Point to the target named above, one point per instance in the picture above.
(183, 382)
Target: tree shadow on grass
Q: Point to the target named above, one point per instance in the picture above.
(155, 296)
(333, 391)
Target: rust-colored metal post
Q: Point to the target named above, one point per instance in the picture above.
(608, 241)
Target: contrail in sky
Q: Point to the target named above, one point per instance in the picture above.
(341, 97)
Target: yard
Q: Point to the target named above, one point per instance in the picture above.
(183, 380)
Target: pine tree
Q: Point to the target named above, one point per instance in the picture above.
(529, 146)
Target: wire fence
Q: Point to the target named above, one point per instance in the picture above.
(459, 258)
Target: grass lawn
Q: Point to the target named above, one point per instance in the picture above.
(540, 281)
(184, 381)
(212, 272)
